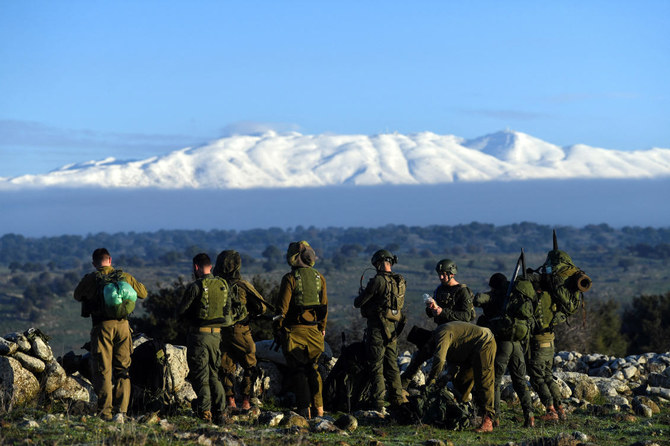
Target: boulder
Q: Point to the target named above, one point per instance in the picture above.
(347, 423)
(77, 388)
(30, 363)
(17, 385)
(20, 339)
(41, 349)
(7, 348)
(54, 376)
(658, 380)
(292, 419)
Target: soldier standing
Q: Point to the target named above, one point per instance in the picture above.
(206, 308)
(381, 304)
(451, 301)
(510, 326)
(300, 323)
(111, 341)
(237, 344)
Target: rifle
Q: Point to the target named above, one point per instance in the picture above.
(520, 266)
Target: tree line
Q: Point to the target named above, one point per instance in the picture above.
(167, 246)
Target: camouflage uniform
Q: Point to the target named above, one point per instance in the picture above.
(301, 328)
(111, 345)
(203, 345)
(381, 341)
(473, 348)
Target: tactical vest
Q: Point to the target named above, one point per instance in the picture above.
(446, 297)
(307, 290)
(307, 295)
(214, 306)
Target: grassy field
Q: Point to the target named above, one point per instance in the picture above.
(54, 428)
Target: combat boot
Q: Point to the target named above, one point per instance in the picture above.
(206, 416)
(486, 426)
(561, 413)
(529, 421)
(319, 411)
(230, 402)
(551, 414)
(246, 405)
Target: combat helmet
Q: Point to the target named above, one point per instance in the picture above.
(498, 281)
(446, 266)
(383, 256)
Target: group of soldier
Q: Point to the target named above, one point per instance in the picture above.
(513, 333)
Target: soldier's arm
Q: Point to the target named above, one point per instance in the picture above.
(285, 293)
(481, 299)
(139, 288)
(189, 296)
(254, 301)
(86, 288)
(368, 293)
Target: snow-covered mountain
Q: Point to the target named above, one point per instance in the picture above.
(274, 160)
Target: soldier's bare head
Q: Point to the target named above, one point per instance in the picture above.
(101, 257)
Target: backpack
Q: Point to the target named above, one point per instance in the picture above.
(395, 296)
(514, 325)
(348, 385)
(116, 297)
(152, 379)
(439, 407)
(562, 278)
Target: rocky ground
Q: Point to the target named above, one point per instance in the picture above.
(610, 400)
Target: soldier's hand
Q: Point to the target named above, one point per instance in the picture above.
(323, 333)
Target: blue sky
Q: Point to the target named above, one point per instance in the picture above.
(82, 80)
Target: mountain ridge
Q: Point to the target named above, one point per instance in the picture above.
(273, 160)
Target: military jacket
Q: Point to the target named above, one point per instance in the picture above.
(457, 342)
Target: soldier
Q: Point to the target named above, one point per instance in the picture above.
(554, 293)
(510, 327)
(300, 323)
(451, 301)
(206, 308)
(237, 344)
(473, 349)
(111, 341)
(381, 304)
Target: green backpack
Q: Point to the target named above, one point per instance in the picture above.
(395, 296)
(116, 297)
(562, 277)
